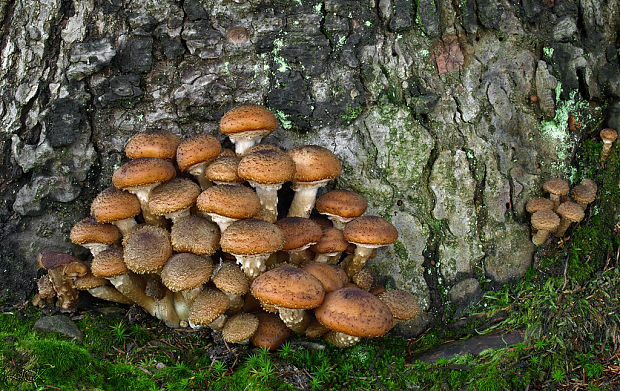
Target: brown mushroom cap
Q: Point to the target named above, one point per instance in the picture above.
(186, 271)
(160, 144)
(89, 281)
(364, 279)
(147, 249)
(609, 135)
(197, 149)
(193, 234)
(271, 332)
(264, 147)
(371, 230)
(240, 327)
(536, 204)
(299, 232)
(224, 169)
(591, 184)
(288, 287)
(545, 220)
(355, 312)
(230, 278)
(143, 171)
(248, 118)
(402, 304)
(113, 204)
(266, 166)
(172, 196)
(50, 260)
(88, 230)
(583, 194)
(234, 201)
(109, 263)
(252, 236)
(557, 186)
(571, 211)
(343, 203)
(330, 277)
(314, 163)
(207, 306)
(332, 241)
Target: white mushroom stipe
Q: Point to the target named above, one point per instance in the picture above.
(222, 221)
(252, 265)
(143, 193)
(303, 200)
(177, 214)
(325, 258)
(246, 140)
(95, 248)
(361, 255)
(198, 172)
(268, 195)
(236, 301)
(291, 316)
(338, 221)
(343, 340)
(125, 225)
(218, 323)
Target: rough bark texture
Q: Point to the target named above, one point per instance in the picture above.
(426, 102)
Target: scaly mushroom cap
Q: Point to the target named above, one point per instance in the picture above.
(583, 194)
(186, 271)
(207, 306)
(364, 279)
(355, 312)
(109, 263)
(231, 279)
(329, 275)
(143, 171)
(402, 304)
(557, 186)
(193, 234)
(88, 230)
(343, 203)
(591, 184)
(314, 163)
(73, 267)
(147, 249)
(248, 118)
(332, 241)
(252, 236)
(197, 149)
(160, 144)
(89, 281)
(536, 204)
(608, 134)
(271, 332)
(113, 204)
(240, 327)
(299, 232)
(224, 169)
(234, 201)
(264, 147)
(571, 211)
(172, 196)
(545, 220)
(371, 230)
(288, 287)
(266, 166)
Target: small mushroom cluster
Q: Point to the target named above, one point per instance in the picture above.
(556, 213)
(200, 243)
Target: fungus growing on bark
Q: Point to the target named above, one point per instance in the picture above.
(608, 136)
(556, 187)
(331, 276)
(583, 194)
(174, 198)
(246, 125)
(299, 235)
(536, 204)
(330, 246)
(545, 221)
(196, 235)
(195, 153)
(223, 170)
(402, 304)
(367, 233)
(314, 167)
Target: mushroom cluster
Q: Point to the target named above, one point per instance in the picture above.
(556, 213)
(199, 243)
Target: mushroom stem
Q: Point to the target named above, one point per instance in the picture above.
(556, 200)
(268, 195)
(222, 221)
(303, 201)
(67, 294)
(540, 237)
(564, 224)
(125, 225)
(246, 140)
(177, 214)
(606, 149)
(295, 319)
(198, 171)
(109, 293)
(341, 340)
(361, 255)
(143, 192)
(95, 248)
(252, 265)
(183, 301)
(299, 255)
(331, 258)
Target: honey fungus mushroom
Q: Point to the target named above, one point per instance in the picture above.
(62, 270)
(351, 313)
(174, 198)
(299, 235)
(569, 212)
(367, 233)
(100, 288)
(271, 332)
(544, 221)
(556, 187)
(583, 194)
(252, 241)
(246, 125)
(292, 291)
(117, 207)
(315, 166)
(608, 135)
(226, 204)
(160, 144)
(330, 246)
(208, 309)
(223, 170)
(240, 328)
(93, 235)
(231, 280)
(194, 153)
(341, 206)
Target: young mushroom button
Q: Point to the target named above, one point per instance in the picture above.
(246, 125)
(174, 198)
(62, 270)
(208, 309)
(314, 167)
(583, 194)
(330, 246)
(271, 332)
(367, 233)
(223, 170)
(239, 328)
(299, 235)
